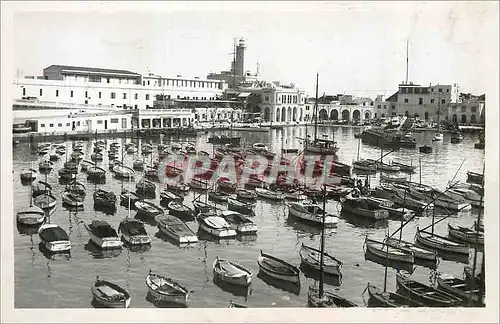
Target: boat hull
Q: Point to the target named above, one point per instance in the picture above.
(106, 243)
(441, 244)
(329, 220)
(218, 232)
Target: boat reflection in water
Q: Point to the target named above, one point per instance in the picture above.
(247, 238)
(99, 253)
(241, 291)
(456, 257)
(56, 256)
(315, 275)
(73, 209)
(137, 247)
(204, 236)
(162, 236)
(279, 284)
(27, 229)
(302, 228)
(359, 221)
(162, 304)
(390, 263)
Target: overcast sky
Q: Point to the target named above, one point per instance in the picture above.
(357, 48)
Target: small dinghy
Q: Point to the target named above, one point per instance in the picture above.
(176, 229)
(28, 176)
(387, 251)
(123, 172)
(145, 186)
(247, 195)
(458, 287)
(167, 196)
(241, 224)
(127, 195)
(278, 269)
(66, 173)
(259, 147)
(96, 173)
(218, 196)
(178, 209)
(390, 299)
(76, 188)
(72, 199)
(30, 216)
(96, 157)
(40, 187)
(133, 232)
(45, 200)
(441, 243)
(226, 185)
(310, 257)
(240, 206)
(265, 193)
(104, 198)
(166, 290)
(110, 295)
(426, 294)
(312, 213)
(178, 187)
(329, 300)
(148, 209)
(54, 238)
(231, 272)
(297, 195)
(466, 234)
(103, 235)
(215, 225)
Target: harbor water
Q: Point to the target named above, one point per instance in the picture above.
(65, 282)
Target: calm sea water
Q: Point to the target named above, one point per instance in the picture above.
(41, 282)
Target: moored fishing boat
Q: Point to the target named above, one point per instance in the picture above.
(123, 172)
(278, 269)
(390, 299)
(178, 187)
(165, 289)
(466, 234)
(168, 196)
(30, 216)
(138, 165)
(178, 209)
(77, 188)
(45, 201)
(222, 139)
(259, 147)
(54, 238)
(389, 252)
(145, 186)
(456, 137)
(241, 224)
(246, 195)
(103, 235)
(364, 165)
(392, 178)
(176, 229)
(269, 194)
(28, 176)
(312, 213)
(418, 252)
(329, 300)
(127, 195)
(199, 184)
(133, 232)
(295, 195)
(425, 149)
(428, 295)
(231, 272)
(45, 166)
(40, 187)
(364, 207)
(148, 209)
(404, 167)
(226, 185)
(72, 199)
(104, 198)
(109, 294)
(96, 173)
(458, 287)
(218, 196)
(203, 207)
(215, 225)
(310, 257)
(441, 243)
(240, 206)
(474, 177)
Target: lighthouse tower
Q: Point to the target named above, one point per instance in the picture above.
(240, 58)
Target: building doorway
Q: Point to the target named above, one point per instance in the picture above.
(105, 124)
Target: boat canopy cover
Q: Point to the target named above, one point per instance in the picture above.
(102, 229)
(53, 234)
(133, 227)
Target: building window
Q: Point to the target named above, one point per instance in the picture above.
(440, 90)
(99, 94)
(447, 90)
(57, 93)
(432, 100)
(385, 106)
(426, 115)
(406, 100)
(464, 119)
(148, 82)
(443, 101)
(113, 95)
(135, 107)
(379, 106)
(432, 90)
(136, 96)
(371, 103)
(472, 119)
(71, 94)
(68, 124)
(41, 92)
(24, 91)
(473, 109)
(266, 98)
(393, 107)
(420, 101)
(59, 125)
(42, 125)
(86, 94)
(124, 95)
(51, 125)
(147, 96)
(114, 121)
(99, 122)
(464, 109)
(107, 80)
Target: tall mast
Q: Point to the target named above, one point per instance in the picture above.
(477, 243)
(321, 278)
(407, 61)
(316, 110)
(234, 63)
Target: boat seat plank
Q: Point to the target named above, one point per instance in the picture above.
(108, 291)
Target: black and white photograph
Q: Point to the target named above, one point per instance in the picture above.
(282, 155)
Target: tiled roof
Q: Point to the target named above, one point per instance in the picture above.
(98, 70)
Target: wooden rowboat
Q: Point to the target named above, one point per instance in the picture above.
(426, 294)
(110, 295)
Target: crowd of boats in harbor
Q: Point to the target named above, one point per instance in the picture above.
(223, 207)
